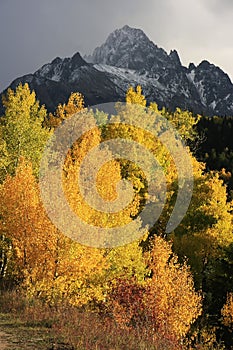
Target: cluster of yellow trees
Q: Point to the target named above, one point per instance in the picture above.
(153, 282)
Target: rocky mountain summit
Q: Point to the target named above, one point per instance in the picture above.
(129, 57)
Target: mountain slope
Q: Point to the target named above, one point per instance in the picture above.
(127, 58)
(203, 89)
(54, 82)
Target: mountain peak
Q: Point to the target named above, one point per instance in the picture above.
(129, 57)
(175, 57)
(77, 60)
(205, 64)
(56, 60)
(128, 48)
(126, 36)
(126, 27)
(191, 66)
(129, 31)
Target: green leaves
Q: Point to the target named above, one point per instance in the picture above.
(21, 130)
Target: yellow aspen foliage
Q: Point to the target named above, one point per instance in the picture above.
(135, 96)
(207, 226)
(46, 263)
(107, 179)
(21, 128)
(127, 262)
(172, 303)
(121, 127)
(227, 312)
(105, 183)
(4, 159)
(22, 100)
(184, 122)
(76, 275)
(21, 219)
(74, 105)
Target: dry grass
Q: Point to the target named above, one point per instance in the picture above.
(37, 326)
(33, 325)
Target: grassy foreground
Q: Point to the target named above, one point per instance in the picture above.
(39, 327)
(36, 326)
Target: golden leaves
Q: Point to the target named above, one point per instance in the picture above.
(227, 312)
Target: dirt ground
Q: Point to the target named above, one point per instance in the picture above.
(16, 335)
(3, 342)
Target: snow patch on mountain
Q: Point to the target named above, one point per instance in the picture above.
(213, 104)
(130, 76)
(44, 70)
(129, 58)
(191, 76)
(201, 91)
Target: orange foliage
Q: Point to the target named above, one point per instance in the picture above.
(47, 263)
(166, 304)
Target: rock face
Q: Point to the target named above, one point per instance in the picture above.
(127, 58)
(55, 81)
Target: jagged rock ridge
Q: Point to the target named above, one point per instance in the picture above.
(127, 58)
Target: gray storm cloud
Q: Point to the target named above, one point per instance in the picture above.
(34, 32)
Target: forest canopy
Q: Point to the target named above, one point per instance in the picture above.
(175, 286)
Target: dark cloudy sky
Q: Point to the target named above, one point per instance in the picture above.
(33, 32)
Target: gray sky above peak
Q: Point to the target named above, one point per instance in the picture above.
(35, 32)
